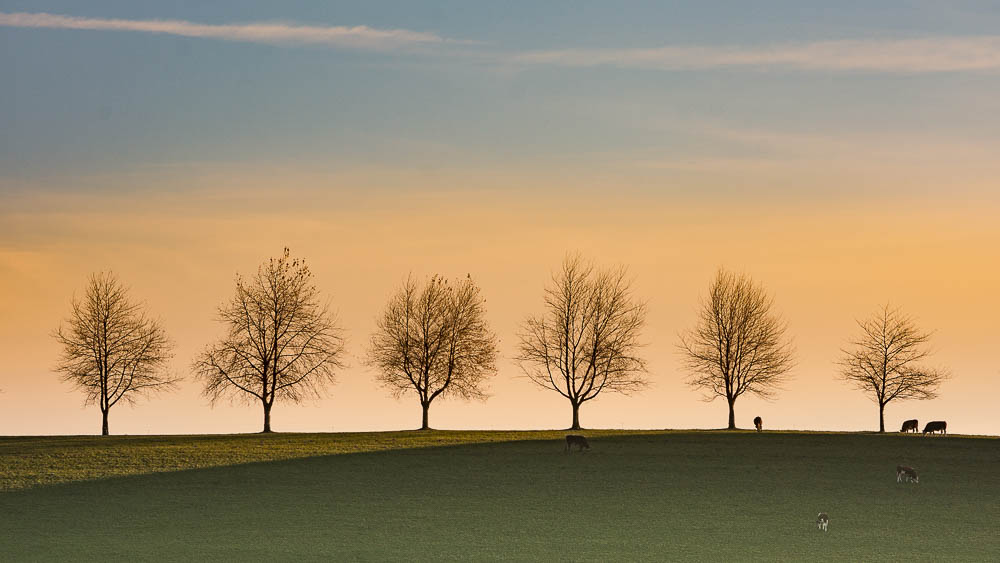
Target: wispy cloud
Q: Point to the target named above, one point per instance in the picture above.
(933, 54)
(916, 55)
(356, 37)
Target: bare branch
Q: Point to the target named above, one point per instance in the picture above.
(434, 340)
(738, 344)
(111, 350)
(587, 340)
(884, 361)
(280, 342)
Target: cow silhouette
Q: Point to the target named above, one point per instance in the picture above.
(936, 426)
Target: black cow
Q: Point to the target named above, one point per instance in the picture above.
(936, 426)
(758, 423)
(910, 425)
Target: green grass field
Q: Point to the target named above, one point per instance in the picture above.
(499, 495)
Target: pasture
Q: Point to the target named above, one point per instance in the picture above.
(443, 495)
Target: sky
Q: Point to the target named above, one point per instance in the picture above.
(843, 155)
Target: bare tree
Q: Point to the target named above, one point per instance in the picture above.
(281, 342)
(587, 340)
(738, 344)
(434, 340)
(884, 361)
(112, 350)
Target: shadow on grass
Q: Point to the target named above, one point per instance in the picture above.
(673, 495)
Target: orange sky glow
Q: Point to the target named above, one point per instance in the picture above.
(827, 261)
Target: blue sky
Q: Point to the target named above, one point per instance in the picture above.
(82, 105)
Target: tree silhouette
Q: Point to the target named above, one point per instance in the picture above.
(434, 340)
(280, 341)
(112, 350)
(884, 361)
(587, 340)
(738, 344)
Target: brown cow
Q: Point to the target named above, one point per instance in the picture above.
(907, 473)
(580, 441)
(910, 425)
(936, 426)
(758, 423)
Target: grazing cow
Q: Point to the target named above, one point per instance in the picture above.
(936, 426)
(758, 423)
(907, 473)
(910, 425)
(822, 521)
(577, 440)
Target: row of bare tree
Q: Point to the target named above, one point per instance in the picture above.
(433, 339)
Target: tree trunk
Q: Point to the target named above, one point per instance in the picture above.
(732, 415)
(425, 425)
(576, 416)
(881, 418)
(267, 419)
(104, 423)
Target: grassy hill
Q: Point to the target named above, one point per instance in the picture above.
(499, 495)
